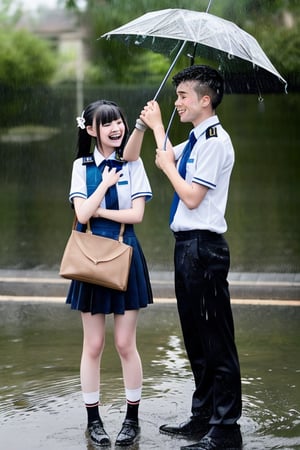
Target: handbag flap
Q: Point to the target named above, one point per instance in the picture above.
(99, 248)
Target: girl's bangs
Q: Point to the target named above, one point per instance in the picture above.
(107, 113)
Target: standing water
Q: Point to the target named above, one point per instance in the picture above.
(41, 405)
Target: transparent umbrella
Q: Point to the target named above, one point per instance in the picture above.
(237, 54)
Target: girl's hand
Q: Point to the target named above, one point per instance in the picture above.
(151, 115)
(110, 177)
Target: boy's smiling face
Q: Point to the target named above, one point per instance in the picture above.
(190, 106)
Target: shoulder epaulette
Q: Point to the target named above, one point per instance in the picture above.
(87, 159)
(211, 132)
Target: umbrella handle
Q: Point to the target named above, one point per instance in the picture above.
(168, 128)
(169, 70)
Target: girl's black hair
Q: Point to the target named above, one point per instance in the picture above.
(102, 111)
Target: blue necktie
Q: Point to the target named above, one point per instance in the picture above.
(182, 170)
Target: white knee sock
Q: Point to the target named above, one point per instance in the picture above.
(91, 398)
(133, 395)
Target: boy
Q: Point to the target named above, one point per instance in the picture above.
(200, 173)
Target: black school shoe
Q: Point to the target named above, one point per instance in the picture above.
(230, 439)
(129, 433)
(196, 427)
(96, 433)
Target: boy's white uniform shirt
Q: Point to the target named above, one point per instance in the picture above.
(132, 184)
(210, 164)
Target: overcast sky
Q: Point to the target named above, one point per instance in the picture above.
(33, 4)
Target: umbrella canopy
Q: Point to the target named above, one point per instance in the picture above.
(239, 57)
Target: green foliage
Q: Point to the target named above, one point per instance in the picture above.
(276, 27)
(283, 49)
(150, 67)
(24, 59)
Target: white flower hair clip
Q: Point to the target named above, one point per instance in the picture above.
(81, 121)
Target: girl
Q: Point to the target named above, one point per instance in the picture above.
(118, 196)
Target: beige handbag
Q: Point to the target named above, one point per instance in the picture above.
(97, 259)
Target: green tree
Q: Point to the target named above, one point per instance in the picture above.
(275, 24)
(24, 59)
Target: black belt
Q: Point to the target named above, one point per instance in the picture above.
(192, 234)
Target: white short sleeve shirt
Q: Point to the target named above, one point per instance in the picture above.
(134, 182)
(210, 164)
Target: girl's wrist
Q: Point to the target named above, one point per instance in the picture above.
(140, 125)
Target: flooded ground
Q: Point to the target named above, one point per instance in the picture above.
(41, 405)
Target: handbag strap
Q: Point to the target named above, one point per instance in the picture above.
(75, 221)
(89, 230)
(122, 228)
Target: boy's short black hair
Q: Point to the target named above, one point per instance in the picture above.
(210, 82)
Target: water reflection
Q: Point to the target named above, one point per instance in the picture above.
(41, 405)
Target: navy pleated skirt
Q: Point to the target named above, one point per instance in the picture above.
(96, 299)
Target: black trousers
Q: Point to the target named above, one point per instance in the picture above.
(201, 267)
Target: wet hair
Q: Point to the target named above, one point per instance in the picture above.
(102, 112)
(210, 82)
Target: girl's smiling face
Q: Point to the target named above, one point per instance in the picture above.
(110, 129)
(111, 134)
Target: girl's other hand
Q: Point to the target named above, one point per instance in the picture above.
(111, 177)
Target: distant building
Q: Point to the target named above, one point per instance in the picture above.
(62, 28)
